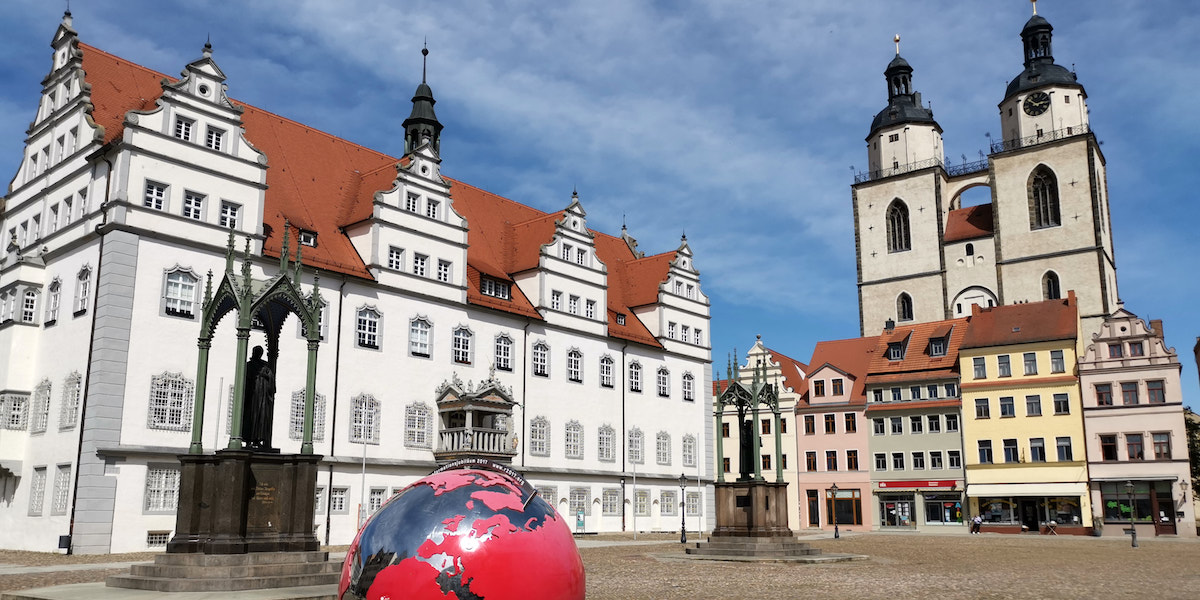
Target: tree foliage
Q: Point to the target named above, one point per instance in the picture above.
(1192, 423)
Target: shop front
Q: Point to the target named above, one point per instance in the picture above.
(915, 505)
(1145, 503)
(1032, 508)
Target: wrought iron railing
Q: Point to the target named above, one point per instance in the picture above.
(951, 170)
(1033, 140)
(967, 168)
(476, 440)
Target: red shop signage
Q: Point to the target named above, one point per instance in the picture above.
(917, 484)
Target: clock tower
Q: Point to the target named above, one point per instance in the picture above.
(1044, 99)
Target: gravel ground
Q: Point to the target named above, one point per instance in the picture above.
(899, 566)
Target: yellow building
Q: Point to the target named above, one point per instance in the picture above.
(1023, 420)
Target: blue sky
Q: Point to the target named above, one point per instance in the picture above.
(737, 122)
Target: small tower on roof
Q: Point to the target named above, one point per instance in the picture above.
(422, 124)
(904, 134)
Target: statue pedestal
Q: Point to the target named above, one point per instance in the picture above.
(238, 501)
(752, 509)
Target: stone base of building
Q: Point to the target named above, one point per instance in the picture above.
(752, 509)
(238, 501)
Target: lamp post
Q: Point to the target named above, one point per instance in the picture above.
(1132, 516)
(622, 504)
(833, 508)
(682, 511)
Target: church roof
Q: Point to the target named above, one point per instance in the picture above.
(903, 108)
(969, 223)
(321, 183)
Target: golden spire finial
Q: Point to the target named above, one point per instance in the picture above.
(897, 40)
(1034, 3)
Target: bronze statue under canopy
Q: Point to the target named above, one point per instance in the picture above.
(258, 405)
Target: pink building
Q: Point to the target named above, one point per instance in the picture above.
(832, 437)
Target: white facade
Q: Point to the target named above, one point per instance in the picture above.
(112, 239)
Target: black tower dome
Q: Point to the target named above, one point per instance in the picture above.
(904, 104)
(422, 124)
(1040, 69)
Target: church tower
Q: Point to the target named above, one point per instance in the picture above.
(422, 124)
(898, 211)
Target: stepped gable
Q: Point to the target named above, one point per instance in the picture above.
(323, 183)
(792, 370)
(850, 356)
(917, 362)
(1023, 323)
(969, 223)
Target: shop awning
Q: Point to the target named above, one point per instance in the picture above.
(976, 490)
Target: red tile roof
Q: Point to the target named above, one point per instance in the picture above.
(1023, 323)
(323, 183)
(852, 357)
(917, 362)
(969, 223)
(793, 371)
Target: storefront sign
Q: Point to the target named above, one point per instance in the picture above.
(917, 484)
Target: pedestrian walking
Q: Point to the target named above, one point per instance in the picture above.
(976, 523)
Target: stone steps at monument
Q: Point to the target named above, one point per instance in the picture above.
(750, 546)
(230, 572)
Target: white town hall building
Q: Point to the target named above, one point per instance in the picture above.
(595, 358)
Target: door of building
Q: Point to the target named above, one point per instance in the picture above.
(814, 509)
(1164, 513)
(1029, 514)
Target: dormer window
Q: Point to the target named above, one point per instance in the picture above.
(183, 128)
(308, 238)
(495, 289)
(895, 351)
(937, 347)
(620, 319)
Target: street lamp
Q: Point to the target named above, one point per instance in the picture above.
(682, 511)
(833, 506)
(1132, 515)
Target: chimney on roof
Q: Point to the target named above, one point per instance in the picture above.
(889, 325)
(1156, 325)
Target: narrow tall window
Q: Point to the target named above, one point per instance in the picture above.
(904, 308)
(296, 417)
(431, 208)
(606, 371)
(443, 271)
(162, 490)
(590, 312)
(368, 328)
(419, 264)
(418, 337)
(62, 489)
(41, 407)
(635, 446)
(155, 197)
(689, 450)
(72, 389)
(462, 346)
(635, 377)
(1043, 199)
(575, 366)
(541, 359)
(229, 215)
(179, 294)
(689, 387)
(213, 138)
(574, 440)
(183, 128)
(417, 426)
(364, 420)
(605, 441)
(504, 352)
(1050, 286)
(664, 382)
(898, 237)
(171, 396)
(29, 306)
(663, 448)
(539, 437)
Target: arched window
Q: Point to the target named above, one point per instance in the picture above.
(539, 436)
(1051, 290)
(605, 441)
(462, 346)
(1043, 199)
(664, 382)
(574, 439)
(689, 387)
(29, 306)
(574, 365)
(541, 359)
(899, 239)
(970, 249)
(606, 371)
(504, 346)
(635, 377)
(904, 307)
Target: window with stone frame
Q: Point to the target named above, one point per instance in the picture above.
(364, 419)
(444, 271)
(689, 450)
(635, 446)
(179, 293)
(229, 215)
(1129, 393)
(1156, 391)
(1062, 404)
(155, 196)
(641, 503)
(549, 493)
(462, 346)
(83, 290)
(367, 328)
(162, 489)
(1162, 445)
(668, 505)
(40, 417)
(575, 366)
(573, 439)
(1051, 288)
(898, 237)
(689, 387)
(296, 416)
(395, 258)
(62, 490)
(214, 138)
(606, 371)
(375, 499)
(904, 312)
(193, 205)
(55, 302)
(540, 357)
(635, 377)
(1033, 405)
(37, 492)
(420, 331)
(610, 502)
(663, 448)
(539, 436)
(14, 411)
(171, 397)
(72, 392)
(606, 443)
(664, 382)
(1043, 199)
(580, 501)
(503, 350)
(29, 306)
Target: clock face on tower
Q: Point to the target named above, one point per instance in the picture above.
(1036, 103)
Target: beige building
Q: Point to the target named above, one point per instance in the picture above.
(1137, 444)
(922, 256)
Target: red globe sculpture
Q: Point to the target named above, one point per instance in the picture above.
(472, 530)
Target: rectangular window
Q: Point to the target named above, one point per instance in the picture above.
(1136, 349)
(580, 256)
(877, 426)
(395, 259)
(918, 460)
(183, 128)
(193, 205)
(830, 424)
(880, 461)
(851, 460)
(566, 251)
(1108, 447)
(367, 328)
(982, 410)
(431, 208)
(503, 353)
(1062, 404)
(1037, 449)
(495, 289)
(698, 338)
(1156, 391)
(951, 390)
(375, 499)
(1114, 351)
(766, 462)
(935, 423)
(590, 310)
(783, 425)
(1064, 449)
(229, 215)
(307, 238)
(838, 387)
(1007, 407)
(1031, 363)
(1129, 393)
(541, 360)
(1057, 364)
(418, 337)
(937, 347)
(985, 452)
(897, 461)
(1010, 451)
(162, 490)
(1003, 367)
(443, 271)
(685, 333)
(606, 376)
(1104, 396)
(896, 394)
(819, 387)
(954, 459)
(556, 300)
(1162, 446)
(851, 422)
(213, 138)
(831, 460)
(461, 350)
(935, 459)
(156, 194)
(37, 492)
(932, 390)
(897, 425)
(610, 502)
(1134, 446)
(573, 304)
(765, 428)
(641, 503)
(1033, 406)
(337, 500)
(412, 202)
(980, 368)
(877, 395)
(635, 377)
(914, 392)
(419, 264)
(810, 461)
(667, 505)
(916, 424)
